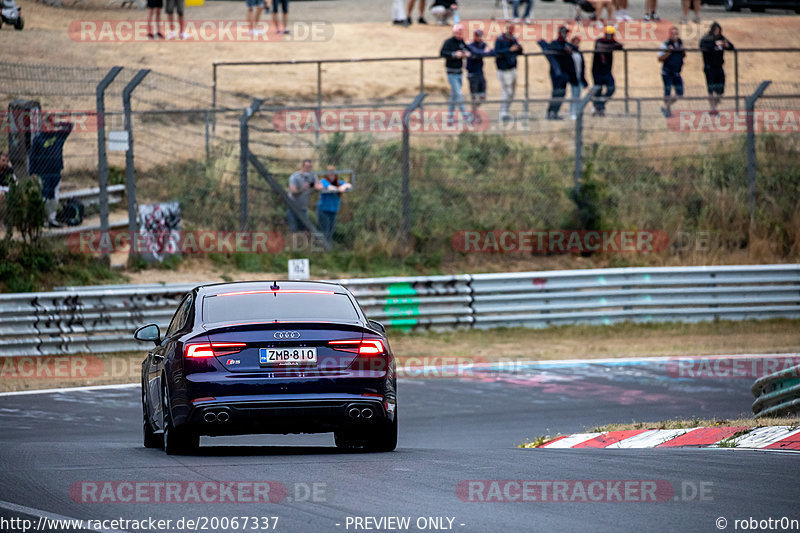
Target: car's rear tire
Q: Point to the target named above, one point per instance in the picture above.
(177, 441)
(380, 439)
(385, 438)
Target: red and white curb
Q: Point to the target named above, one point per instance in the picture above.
(763, 438)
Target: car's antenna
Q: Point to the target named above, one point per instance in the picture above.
(274, 288)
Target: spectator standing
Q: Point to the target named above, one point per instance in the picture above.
(690, 4)
(398, 13)
(650, 10)
(46, 159)
(506, 50)
(455, 50)
(526, 15)
(300, 185)
(410, 8)
(602, 69)
(478, 49)
(330, 198)
(442, 10)
(284, 5)
(6, 172)
(580, 76)
(713, 45)
(671, 57)
(621, 7)
(562, 70)
(172, 6)
(598, 9)
(254, 8)
(154, 19)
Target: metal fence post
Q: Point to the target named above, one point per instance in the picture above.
(102, 159)
(130, 171)
(736, 77)
(525, 108)
(214, 95)
(578, 172)
(319, 103)
(750, 105)
(406, 167)
(627, 85)
(244, 151)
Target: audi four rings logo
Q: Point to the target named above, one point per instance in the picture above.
(286, 334)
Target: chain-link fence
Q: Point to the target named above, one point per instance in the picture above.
(462, 185)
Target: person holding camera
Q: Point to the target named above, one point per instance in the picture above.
(330, 199)
(46, 159)
(671, 58)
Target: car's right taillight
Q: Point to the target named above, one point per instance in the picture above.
(371, 353)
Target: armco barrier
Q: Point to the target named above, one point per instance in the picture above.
(777, 394)
(100, 319)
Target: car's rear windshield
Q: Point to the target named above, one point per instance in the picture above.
(249, 306)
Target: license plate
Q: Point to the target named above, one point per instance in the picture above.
(287, 356)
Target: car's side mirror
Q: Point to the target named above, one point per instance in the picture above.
(150, 332)
(377, 325)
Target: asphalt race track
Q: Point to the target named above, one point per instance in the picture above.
(451, 430)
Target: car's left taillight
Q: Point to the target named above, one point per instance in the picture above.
(212, 349)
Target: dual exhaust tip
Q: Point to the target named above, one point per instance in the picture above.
(216, 416)
(360, 412)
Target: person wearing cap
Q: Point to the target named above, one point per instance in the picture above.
(671, 58)
(580, 76)
(455, 50)
(602, 70)
(478, 49)
(713, 46)
(562, 70)
(506, 50)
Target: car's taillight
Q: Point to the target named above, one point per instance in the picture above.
(213, 349)
(361, 347)
(371, 353)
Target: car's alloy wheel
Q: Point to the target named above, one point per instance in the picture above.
(176, 441)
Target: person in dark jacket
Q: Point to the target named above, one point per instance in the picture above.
(46, 159)
(562, 70)
(506, 50)
(580, 76)
(671, 58)
(455, 50)
(478, 49)
(602, 67)
(713, 46)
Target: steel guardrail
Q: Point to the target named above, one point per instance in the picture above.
(100, 319)
(777, 394)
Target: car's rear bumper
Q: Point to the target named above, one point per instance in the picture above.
(287, 413)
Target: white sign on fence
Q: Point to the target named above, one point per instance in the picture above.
(299, 269)
(118, 141)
